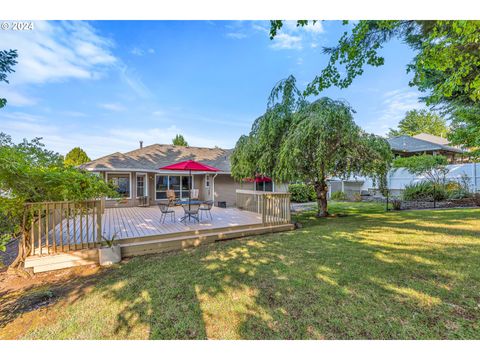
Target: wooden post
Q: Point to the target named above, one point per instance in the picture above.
(47, 243)
(264, 215)
(99, 224)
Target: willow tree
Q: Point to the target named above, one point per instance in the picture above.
(311, 142)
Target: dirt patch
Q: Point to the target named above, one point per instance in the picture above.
(25, 302)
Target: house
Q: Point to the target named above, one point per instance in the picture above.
(405, 145)
(137, 174)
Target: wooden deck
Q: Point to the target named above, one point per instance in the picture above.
(136, 222)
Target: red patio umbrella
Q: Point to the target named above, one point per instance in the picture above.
(190, 165)
(258, 179)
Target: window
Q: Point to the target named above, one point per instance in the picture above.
(121, 183)
(161, 187)
(264, 186)
(180, 184)
(141, 185)
(207, 181)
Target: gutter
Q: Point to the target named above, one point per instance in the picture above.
(213, 188)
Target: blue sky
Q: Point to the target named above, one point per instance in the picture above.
(105, 85)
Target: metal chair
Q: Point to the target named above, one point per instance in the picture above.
(165, 210)
(191, 211)
(206, 206)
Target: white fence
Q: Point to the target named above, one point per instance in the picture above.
(399, 178)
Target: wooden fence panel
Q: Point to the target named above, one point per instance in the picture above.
(64, 225)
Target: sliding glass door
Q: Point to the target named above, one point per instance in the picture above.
(178, 183)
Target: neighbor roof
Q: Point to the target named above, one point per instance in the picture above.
(410, 144)
(155, 156)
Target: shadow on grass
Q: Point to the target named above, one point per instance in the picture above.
(366, 275)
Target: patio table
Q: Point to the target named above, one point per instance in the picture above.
(189, 202)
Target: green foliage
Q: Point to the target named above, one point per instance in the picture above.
(31, 173)
(446, 66)
(338, 196)
(433, 167)
(76, 156)
(420, 121)
(179, 140)
(307, 142)
(465, 127)
(7, 62)
(302, 192)
(425, 191)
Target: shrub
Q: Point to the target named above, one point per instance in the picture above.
(357, 197)
(302, 192)
(338, 195)
(396, 204)
(459, 189)
(425, 190)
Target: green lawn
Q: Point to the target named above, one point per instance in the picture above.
(370, 274)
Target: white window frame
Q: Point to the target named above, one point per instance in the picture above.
(168, 183)
(208, 181)
(120, 173)
(145, 184)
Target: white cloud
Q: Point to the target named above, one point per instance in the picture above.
(112, 106)
(136, 51)
(236, 35)
(56, 51)
(394, 105)
(15, 97)
(285, 41)
(140, 52)
(132, 79)
(96, 141)
(293, 37)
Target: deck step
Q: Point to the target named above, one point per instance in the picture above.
(151, 245)
(187, 233)
(183, 242)
(62, 261)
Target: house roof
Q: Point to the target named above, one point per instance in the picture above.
(432, 138)
(410, 144)
(153, 157)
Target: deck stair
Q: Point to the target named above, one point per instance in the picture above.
(152, 244)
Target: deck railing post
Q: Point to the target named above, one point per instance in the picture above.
(99, 223)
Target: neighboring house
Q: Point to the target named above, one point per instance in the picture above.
(405, 145)
(136, 174)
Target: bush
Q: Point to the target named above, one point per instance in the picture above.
(426, 191)
(338, 195)
(357, 197)
(302, 192)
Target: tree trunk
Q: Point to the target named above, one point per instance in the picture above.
(18, 265)
(321, 190)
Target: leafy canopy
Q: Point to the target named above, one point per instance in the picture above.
(446, 65)
(296, 140)
(179, 140)
(7, 62)
(420, 121)
(76, 156)
(31, 173)
(433, 167)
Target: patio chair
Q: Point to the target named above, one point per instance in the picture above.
(191, 211)
(165, 210)
(194, 194)
(171, 197)
(206, 207)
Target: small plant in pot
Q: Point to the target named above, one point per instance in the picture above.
(111, 253)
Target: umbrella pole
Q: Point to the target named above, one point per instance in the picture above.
(190, 188)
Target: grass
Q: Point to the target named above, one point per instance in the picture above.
(370, 274)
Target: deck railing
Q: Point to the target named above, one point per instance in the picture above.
(63, 226)
(273, 206)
